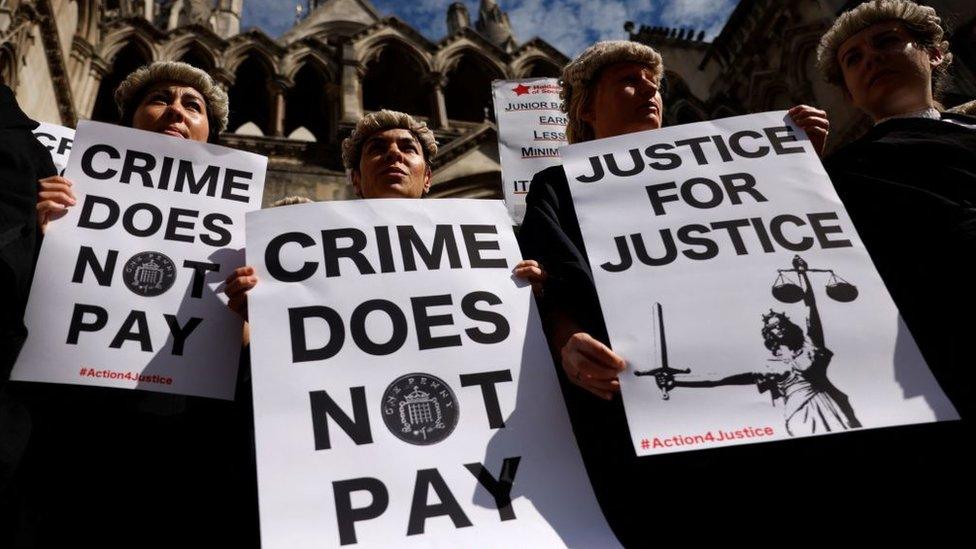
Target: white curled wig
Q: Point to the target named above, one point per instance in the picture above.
(374, 122)
(130, 92)
(580, 75)
(922, 22)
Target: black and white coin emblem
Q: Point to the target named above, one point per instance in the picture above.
(149, 273)
(420, 409)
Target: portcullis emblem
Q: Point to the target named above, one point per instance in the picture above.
(420, 409)
(149, 274)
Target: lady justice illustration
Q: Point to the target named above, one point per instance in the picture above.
(797, 371)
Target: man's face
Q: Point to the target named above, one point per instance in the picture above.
(392, 166)
(885, 72)
(626, 100)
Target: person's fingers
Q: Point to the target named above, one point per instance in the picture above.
(602, 389)
(802, 109)
(605, 395)
(48, 211)
(814, 122)
(805, 110)
(55, 180)
(55, 186)
(240, 285)
(591, 369)
(237, 304)
(239, 272)
(47, 206)
(610, 385)
(60, 197)
(597, 352)
(529, 269)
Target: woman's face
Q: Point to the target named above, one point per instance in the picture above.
(885, 71)
(174, 109)
(626, 100)
(392, 166)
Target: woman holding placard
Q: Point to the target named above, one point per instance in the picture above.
(167, 97)
(388, 155)
(108, 465)
(612, 88)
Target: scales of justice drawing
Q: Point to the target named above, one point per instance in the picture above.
(796, 372)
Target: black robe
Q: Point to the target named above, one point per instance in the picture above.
(23, 160)
(783, 488)
(910, 188)
(105, 467)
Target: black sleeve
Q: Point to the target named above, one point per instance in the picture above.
(44, 164)
(550, 234)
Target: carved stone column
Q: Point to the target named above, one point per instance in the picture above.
(351, 99)
(98, 69)
(436, 82)
(278, 89)
(333, 95)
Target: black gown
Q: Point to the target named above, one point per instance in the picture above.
(910, 188)
(775, 487)
(104, 467)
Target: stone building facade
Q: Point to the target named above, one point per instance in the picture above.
(764, 59)
(293, 98)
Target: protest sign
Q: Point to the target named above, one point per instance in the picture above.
(734, 284)
(403, 392)
(531, 128)
(56, 139)
(125, 292)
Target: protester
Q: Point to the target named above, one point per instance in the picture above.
(167, 97)
(104, 464)
(388, 155)
(909, 184)
(23, 160)
(611, 89)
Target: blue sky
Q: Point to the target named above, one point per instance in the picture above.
(569, 25)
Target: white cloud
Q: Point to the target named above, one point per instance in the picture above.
(707, 15)
(569, 25)
(572, 25)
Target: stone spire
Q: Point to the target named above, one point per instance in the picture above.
(227, 17)
(493, 24)
(457, 18)
(195, 12)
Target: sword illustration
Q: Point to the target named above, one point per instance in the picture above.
(663, 375)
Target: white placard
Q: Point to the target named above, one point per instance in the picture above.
(690, 232)
(126, 288)
(531, 129)
(388, 380)
(58, 140)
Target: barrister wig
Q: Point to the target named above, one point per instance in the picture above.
(922, 22)
(130, 92)
(580, 76)
(374, 122)
(291, 201)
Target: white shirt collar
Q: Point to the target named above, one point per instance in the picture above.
(930, 113)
